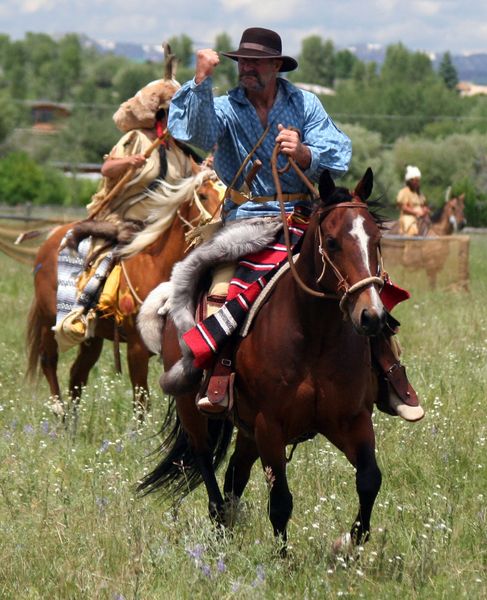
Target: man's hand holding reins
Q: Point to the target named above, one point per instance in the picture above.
(206, 61)
(291, 145)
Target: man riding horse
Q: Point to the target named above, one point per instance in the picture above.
(412, 203)
(264, 110)
(142, 176)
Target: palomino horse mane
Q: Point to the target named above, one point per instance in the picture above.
(165, 198)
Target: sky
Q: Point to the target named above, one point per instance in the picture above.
(429, 25)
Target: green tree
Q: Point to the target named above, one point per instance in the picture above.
(8, 114)
(69, 63)
(316, 62)
(226, 74)
(15, 71)
(130, 79)
(448, 72)
(345, 62)
(182, 47)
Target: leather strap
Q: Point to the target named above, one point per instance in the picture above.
(219, 383)
(393, 371)
(238, 198)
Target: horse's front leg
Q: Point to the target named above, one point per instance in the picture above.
(138, 365)
(88, 353)
(238, 473)
(272, 451)
(359, 448)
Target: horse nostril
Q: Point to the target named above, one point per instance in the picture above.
(371, 321)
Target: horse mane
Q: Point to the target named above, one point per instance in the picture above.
(436, 216)
(341, 194)
(165, 199)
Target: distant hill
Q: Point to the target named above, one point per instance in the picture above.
(470, 67)
(132, 51)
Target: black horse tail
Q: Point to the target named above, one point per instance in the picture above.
(178, 471)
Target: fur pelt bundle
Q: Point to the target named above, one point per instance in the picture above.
(139, 112)
(229, 244)
(121, 232)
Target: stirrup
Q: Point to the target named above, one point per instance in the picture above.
(216, 395)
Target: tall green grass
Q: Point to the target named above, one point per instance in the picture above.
(72, 527)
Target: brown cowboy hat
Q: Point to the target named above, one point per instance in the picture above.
(257, 42)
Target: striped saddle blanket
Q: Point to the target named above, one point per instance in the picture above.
(252, 274)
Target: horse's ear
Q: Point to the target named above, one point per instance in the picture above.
(326, 185)
(170, 63)
(363, 189)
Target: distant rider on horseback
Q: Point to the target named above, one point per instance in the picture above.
(412, 203)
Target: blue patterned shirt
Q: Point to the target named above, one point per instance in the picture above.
(229, 126)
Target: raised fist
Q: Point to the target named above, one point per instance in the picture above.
(206, 61)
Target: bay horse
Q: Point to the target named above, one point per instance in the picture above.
(304, 368)
(140, 272)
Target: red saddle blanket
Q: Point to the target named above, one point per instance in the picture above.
(252, 274)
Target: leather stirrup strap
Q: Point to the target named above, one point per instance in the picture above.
(220, 379)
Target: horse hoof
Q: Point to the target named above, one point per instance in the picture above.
(342, 545)
(58, 409)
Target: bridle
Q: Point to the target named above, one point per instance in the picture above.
(347, 290)
(343, 285)
(204, 215)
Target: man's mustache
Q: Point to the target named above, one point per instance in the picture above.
(251, 74)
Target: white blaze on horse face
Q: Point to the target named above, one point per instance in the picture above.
(359, 233)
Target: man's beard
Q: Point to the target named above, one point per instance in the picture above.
(258, 83)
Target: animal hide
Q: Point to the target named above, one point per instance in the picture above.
(116, 233)
(229, 244)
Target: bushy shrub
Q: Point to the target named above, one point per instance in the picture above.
(24, 180)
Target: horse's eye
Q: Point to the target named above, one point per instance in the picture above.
(331, 243)
(203, 197)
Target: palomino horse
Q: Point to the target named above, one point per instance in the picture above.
(446, 220)
(141, 272)
(430, 255)
(304, 368)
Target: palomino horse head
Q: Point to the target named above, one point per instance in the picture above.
(455, 207)
(349, 252)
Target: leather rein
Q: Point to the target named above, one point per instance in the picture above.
(343, 285)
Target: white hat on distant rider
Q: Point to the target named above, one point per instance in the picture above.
(412, 173)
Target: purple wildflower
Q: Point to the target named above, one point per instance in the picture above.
(221, 566)
(28, 429)
(104, 446)
(206, 570)
(196, 552)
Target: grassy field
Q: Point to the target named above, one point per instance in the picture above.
(72, 527)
